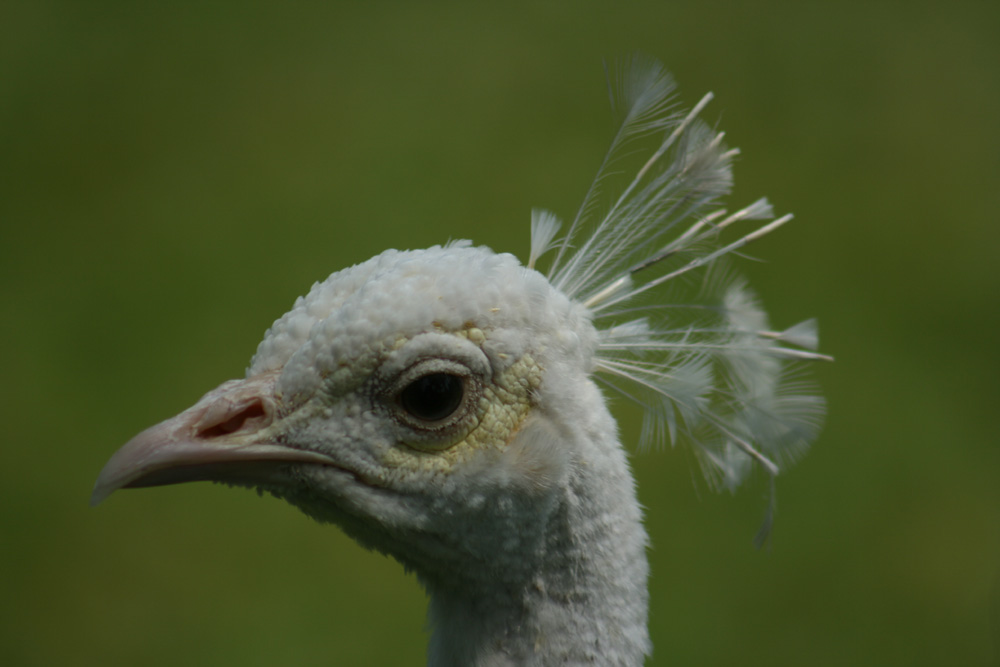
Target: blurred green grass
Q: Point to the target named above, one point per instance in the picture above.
(173, 176)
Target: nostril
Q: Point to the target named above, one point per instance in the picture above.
(251, 413)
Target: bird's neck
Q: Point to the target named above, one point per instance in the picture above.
(579, 598)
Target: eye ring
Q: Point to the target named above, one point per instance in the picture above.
(433, 398)
(432, 388)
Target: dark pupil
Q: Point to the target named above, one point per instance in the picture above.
(433, 396)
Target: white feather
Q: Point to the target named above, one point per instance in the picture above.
(544, 227)
(706, 367)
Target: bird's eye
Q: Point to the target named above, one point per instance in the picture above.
(433, 397)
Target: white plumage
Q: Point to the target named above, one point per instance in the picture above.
(442, 405)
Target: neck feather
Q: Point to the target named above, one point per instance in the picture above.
(580, 597)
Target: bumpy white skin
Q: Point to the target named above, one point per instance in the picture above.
(517, 512)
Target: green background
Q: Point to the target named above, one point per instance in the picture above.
(173, 175)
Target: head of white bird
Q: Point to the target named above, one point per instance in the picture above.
(407, 399)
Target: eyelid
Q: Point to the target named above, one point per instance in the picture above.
(424, 367)
(434, 345)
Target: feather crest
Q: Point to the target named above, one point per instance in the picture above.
(708, 370)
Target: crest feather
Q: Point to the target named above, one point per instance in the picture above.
(703, 362)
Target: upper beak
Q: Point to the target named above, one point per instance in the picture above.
(224, 436)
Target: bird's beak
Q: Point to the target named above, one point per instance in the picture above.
(223, 437)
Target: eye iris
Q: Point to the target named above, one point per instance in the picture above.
(433, 397)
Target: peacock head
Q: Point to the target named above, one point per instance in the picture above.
(407, 399)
